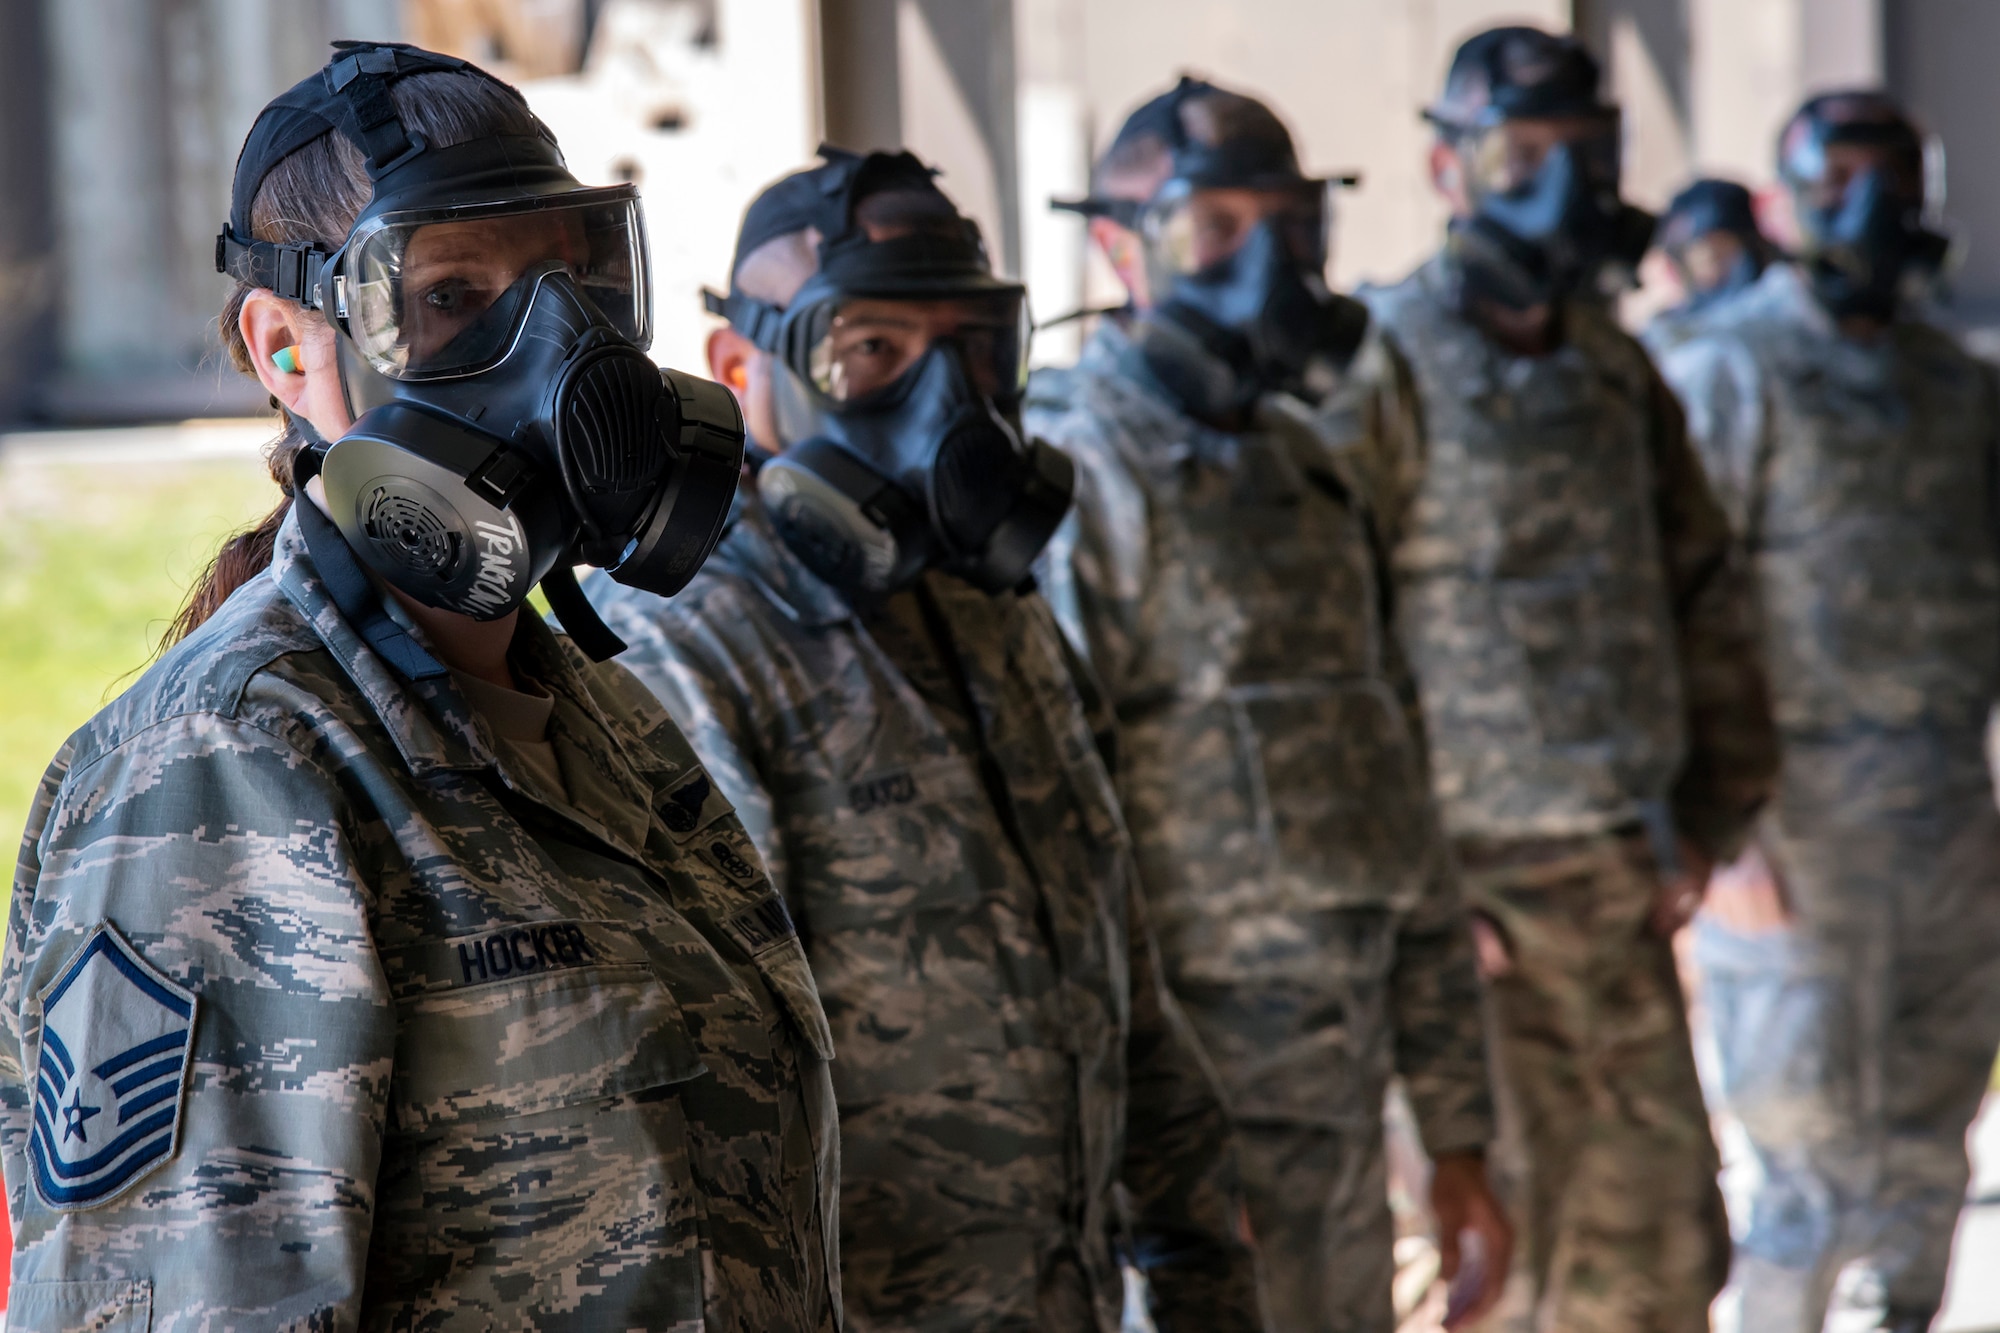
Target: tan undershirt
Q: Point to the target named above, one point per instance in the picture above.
(520, 725)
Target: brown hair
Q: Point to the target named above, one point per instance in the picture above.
(313, 195)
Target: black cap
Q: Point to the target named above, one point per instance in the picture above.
(349, 94)
(945, 255)
(824, 197)
(1518, 72)
(1218, 139)
(1706, 206)
(1867, 116)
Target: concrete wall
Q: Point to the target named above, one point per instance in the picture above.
(150, 101)
(1940, 59)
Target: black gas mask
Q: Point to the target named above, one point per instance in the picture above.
(1240, 302)
(1535, 237)
(1702, 212)
(491, 317)
(1547, 225)
(897, 390)
(1869, 246)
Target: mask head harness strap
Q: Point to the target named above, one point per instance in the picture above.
(351, 96)
(941, 258)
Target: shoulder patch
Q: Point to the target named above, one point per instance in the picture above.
(117, 1040)
(691, 804)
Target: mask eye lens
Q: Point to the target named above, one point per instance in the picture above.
(861, 347)
(441, 293)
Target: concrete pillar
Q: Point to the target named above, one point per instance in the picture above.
(112, 188)
(937, 77)
(1646, 49)
(1939, 56)
(27, 258)
(1054, 158)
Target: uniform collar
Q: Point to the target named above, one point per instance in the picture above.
(1147, 414)
(430, 722)
(752, 548)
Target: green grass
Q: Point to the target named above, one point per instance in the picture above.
(95, 558)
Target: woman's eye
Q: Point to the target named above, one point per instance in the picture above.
(445, 297)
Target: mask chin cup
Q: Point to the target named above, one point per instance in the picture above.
(848, 523)
(451, 516)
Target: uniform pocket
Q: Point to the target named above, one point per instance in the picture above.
(1350, 820)
(81, 1307)
(536, 1136)
(517, 1048)
(890, 843)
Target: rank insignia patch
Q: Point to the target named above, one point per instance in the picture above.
(116, 1041)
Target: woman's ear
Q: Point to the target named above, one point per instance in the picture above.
(270, 328)
(292, 354)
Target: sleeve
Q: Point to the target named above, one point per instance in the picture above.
(1096, 568)
(1434, 990)
(1732, 758)
(694, 677)
(199, 878)
(1435, 997)
(1187, 1211)
(1392, 453)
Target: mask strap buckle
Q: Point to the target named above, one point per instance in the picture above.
(759, 321)
(290, 270)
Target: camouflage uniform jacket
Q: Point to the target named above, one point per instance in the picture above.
(966, 894)
(465, 1054)
(1567, 586)
(1862, 477)
(1227, 590)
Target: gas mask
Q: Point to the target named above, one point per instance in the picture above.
(902, 446)
(490, 320)
(1224, 331)
(1742, 273)
(1865, 249)
(1705, 213)
(1534, 237)
(1878, 241)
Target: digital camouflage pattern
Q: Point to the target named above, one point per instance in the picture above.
(468, 1053)
(925, 782)
(1855, 1047)
(1570, 598)
(1566, 587)
(1605, 1149)
(1226, 590)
